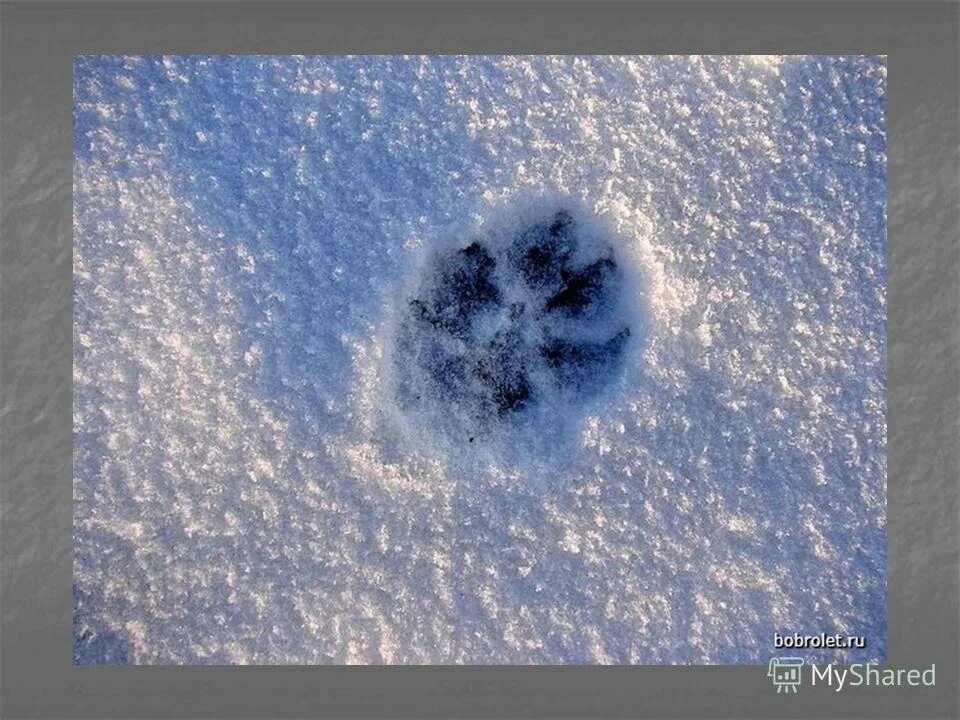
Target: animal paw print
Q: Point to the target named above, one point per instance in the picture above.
(498, 328)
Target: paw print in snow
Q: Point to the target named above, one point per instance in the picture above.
(497, 328)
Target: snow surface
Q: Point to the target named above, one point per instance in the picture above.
(248, 234)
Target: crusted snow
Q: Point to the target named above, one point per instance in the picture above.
(247, 490)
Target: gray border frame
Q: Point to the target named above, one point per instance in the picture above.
(38, 41)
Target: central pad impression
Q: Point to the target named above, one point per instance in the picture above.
(496, 328)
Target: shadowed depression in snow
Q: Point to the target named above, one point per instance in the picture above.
(496, 329)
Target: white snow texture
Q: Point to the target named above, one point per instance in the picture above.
(257, 483)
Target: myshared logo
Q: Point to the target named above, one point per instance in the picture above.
(871, 674)
(785, 674)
